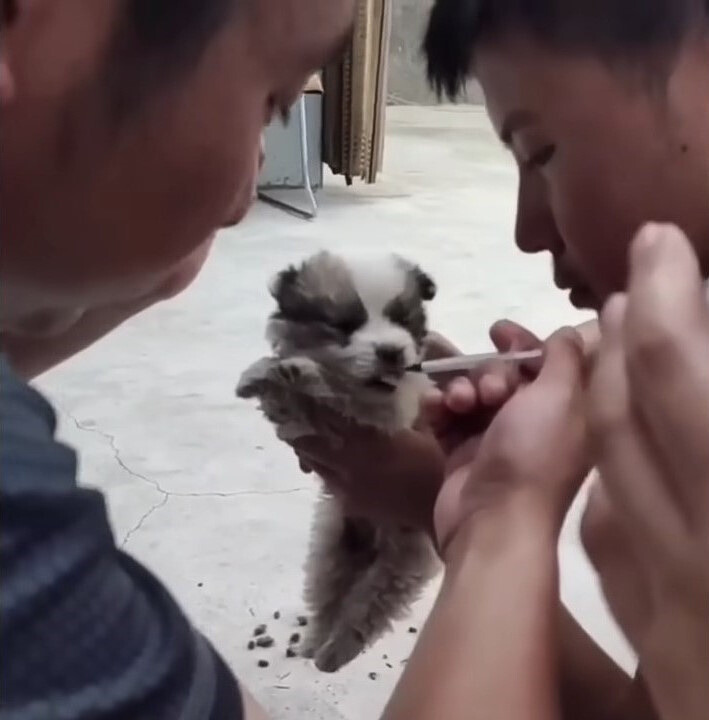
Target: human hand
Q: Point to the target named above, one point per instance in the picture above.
(390, 478)
(464, 405)
(646, 525)
(533, 456)
(387, 478)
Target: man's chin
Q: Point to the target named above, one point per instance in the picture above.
(583, 299)
(46, 323)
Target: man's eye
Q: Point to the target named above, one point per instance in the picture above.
(540, 158)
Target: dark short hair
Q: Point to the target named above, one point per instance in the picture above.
(611, 29)
(156, 40)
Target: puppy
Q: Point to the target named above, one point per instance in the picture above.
(343, 335)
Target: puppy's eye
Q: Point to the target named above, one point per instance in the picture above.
(347, 326)
(398, 315)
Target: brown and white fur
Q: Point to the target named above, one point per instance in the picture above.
(342, 337)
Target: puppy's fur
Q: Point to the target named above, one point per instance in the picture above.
(343, 335)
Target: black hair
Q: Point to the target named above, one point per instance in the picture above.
(611, 29)
(155, 41)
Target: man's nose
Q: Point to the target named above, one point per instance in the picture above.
(535, 227)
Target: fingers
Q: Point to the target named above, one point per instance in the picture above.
(620, 568)
(623, 458)
(508, 335)
(667, 338)
(486, 389)
(590, 335)
(563, 363)
(435, 346)
(460, 396)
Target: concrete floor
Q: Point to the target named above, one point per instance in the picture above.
(197, 486)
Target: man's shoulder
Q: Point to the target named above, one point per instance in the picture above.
(20, 401)
(27, 425)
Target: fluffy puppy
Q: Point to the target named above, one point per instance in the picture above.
(343, 335)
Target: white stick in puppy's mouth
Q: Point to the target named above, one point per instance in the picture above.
(461, 363)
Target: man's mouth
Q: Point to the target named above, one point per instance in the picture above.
(580, 295)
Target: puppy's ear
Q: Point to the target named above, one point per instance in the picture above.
(286, 290)
(281, 281)
(422, 282)
(427, 288)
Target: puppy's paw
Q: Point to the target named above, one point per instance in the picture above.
(300, 372)
(338, 651)
(312, 642)
(254, 379)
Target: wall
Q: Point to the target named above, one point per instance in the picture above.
(407, 74)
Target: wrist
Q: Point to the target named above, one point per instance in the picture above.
(515, 527)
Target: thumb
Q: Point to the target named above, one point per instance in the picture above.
(507, 335)
(563, 359)
(435, 346)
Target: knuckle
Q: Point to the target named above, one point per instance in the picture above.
(655, 345)
(505, 446)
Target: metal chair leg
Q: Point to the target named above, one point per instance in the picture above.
(305, 170)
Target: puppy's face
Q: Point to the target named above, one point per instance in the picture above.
(363, 319)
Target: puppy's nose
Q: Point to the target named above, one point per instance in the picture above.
(390, 355)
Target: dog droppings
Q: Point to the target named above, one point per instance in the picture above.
(259, 630)
(302, 620)
(251, 645)
(413, 630)
(372, 676)
(200, 584)
(262, 663)
(290, 652)
(389, 665)
(264, 641)
(294, 638)
(276, 615)
(385, 657)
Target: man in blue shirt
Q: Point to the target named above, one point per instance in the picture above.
(130, 132)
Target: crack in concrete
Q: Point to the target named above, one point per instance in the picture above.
(166, 494)
(161, 503)
(236, 493)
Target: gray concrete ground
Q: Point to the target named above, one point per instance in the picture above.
(197, 486)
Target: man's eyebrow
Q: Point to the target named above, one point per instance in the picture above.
(515, 121)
